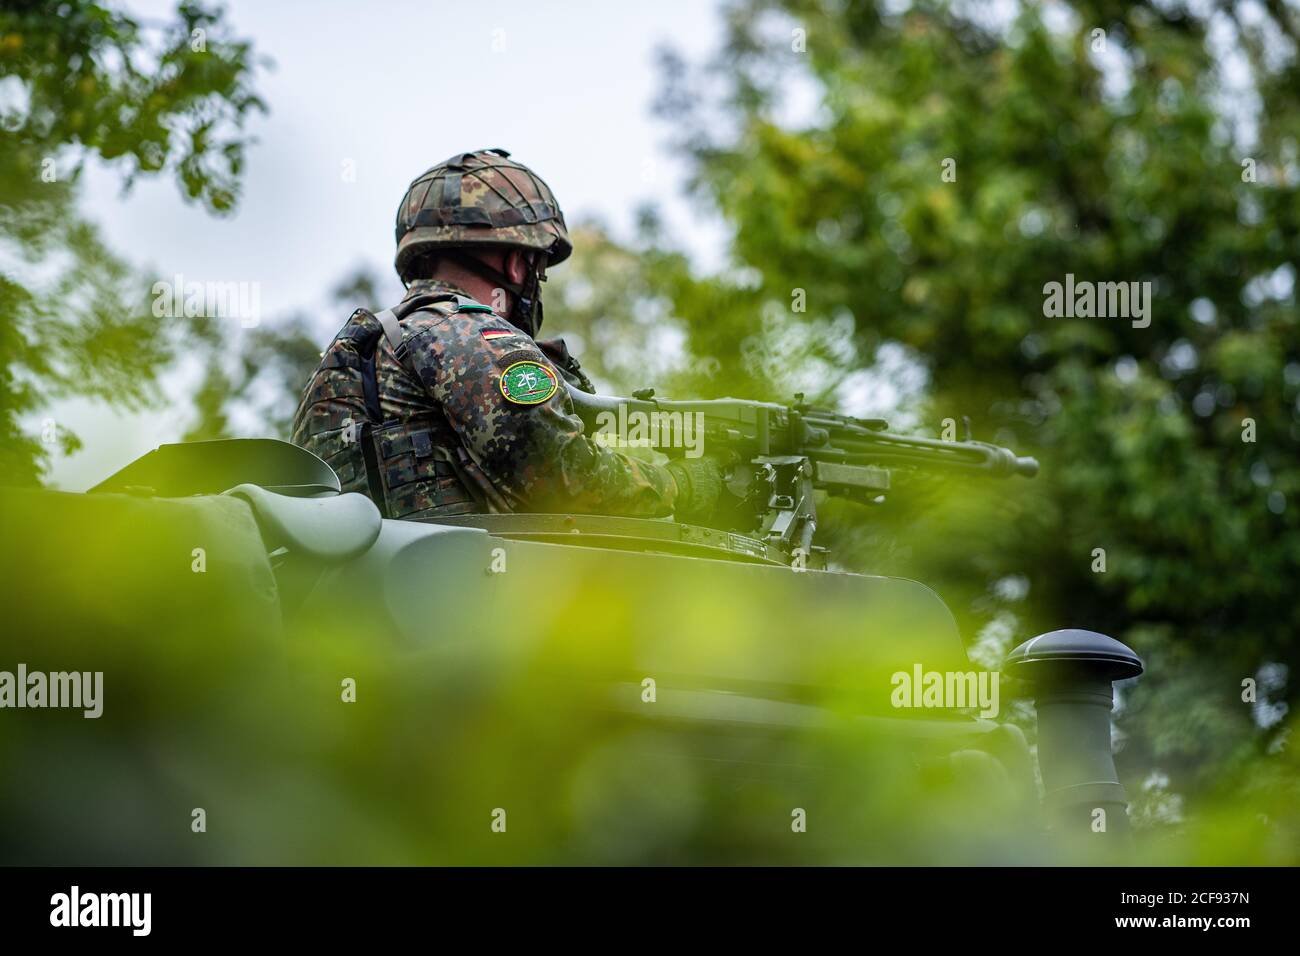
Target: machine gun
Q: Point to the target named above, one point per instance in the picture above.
(780, 455)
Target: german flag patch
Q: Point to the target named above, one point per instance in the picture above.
(491, 334)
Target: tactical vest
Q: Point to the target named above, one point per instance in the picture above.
(410, 467)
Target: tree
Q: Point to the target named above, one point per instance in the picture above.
(260, 376)
(952, 165)
(84, 81)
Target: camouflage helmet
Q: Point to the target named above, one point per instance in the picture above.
(481, 198)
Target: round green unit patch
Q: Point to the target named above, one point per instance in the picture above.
(528, 383)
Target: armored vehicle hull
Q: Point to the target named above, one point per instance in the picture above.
(288, 678)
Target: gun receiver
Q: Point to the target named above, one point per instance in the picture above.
(782, 454)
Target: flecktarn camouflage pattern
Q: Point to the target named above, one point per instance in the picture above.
(473, 418)
(480, 198)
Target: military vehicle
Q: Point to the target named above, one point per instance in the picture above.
(290, 677)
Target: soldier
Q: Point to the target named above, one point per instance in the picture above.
(446, 404)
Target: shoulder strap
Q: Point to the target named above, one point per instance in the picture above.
(390, 320)
(392, 329)
(366, 343)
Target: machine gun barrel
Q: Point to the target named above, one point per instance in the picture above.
(760, 429)
(780, 457)
(970, 456)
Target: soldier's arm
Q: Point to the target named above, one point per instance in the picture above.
(528, 441)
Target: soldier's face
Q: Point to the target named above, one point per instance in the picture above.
(518, 263)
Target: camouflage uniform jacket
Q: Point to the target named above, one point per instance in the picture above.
(451, 440)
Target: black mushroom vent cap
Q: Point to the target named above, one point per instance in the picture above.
(1073, 650)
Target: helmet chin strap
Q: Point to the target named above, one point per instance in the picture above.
(526, 310)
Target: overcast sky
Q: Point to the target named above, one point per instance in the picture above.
(383, 90)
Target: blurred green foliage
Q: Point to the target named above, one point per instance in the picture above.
(81, 81)
(223, 692)
(1168, 154)
(1118, 142)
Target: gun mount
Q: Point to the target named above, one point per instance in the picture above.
(780, 456)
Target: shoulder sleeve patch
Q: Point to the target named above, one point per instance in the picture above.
(528, 382)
